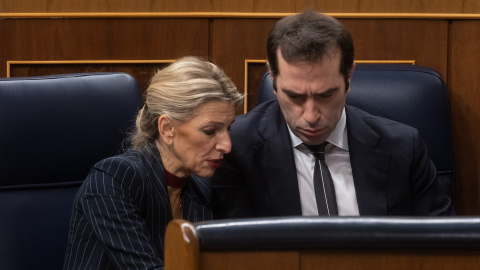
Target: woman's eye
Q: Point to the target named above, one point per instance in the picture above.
(209, 132)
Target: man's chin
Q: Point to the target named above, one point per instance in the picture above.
(314, 140)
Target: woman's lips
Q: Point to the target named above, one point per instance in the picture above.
(214, 163)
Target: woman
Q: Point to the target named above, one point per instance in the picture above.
(122, 209)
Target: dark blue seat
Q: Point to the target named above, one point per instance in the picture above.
(52, 130)
(410, 94)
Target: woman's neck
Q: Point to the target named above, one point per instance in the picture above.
(169, 160)
(175, 181)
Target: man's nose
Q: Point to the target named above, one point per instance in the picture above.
(311, 112)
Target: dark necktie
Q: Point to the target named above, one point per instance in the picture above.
(323, 183)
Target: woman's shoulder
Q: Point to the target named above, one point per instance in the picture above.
(129, 165)
(132, 174)
(130, 158)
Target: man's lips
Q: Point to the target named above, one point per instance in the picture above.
(214, 163)
(311, 132)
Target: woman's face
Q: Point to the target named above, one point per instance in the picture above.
(199, 144)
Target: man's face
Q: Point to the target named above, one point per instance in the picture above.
(312, 96)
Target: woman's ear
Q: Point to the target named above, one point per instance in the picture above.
(165, 128)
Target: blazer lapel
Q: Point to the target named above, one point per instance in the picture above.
(370, 165)
(277, 166)
(196, 199)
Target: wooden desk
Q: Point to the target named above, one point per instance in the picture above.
(336, 243)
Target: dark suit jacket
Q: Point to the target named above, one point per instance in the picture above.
(392, 172)
(122, 210)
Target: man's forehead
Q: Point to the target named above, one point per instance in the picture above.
(333, 54)
(330, 51)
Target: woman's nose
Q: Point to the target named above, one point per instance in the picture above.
(225, 144)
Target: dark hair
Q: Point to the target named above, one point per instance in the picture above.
(307, 37)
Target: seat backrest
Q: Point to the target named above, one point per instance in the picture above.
(52, 130)
(410, 94)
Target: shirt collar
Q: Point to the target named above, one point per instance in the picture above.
(338, 137)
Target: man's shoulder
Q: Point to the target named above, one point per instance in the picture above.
(255, 117)
(358, 120)
(264, 120)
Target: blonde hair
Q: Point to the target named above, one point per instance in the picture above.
(177, 91)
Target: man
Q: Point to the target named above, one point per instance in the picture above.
(377, 166)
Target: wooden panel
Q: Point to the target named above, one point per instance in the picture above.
(390, 259)
(464, 86)
(425, 6)
(426, 42)
(236, 40)
(101, 39)
(254, 76)
(396, 6)
(142, 72)
(278, 260)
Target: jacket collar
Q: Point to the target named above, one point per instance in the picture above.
(370, 165)
(277, 165)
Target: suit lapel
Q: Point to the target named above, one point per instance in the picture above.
(370, 165)
(196, 198)
(152, 155)
(277, 166)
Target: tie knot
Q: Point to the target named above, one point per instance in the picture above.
(317, 150)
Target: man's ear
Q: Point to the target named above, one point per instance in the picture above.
(269, 70)
(350, 74)
(273, 79)
(165, 128)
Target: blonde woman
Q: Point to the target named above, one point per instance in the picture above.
(123, 207)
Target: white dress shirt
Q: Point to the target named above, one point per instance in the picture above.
(337, 158)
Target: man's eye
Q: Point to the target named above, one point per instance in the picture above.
(209, 132)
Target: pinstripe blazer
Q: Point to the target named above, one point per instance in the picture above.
(122, 210)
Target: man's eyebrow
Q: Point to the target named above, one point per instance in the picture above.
(290, 92)
(328, 91)
(324, 93)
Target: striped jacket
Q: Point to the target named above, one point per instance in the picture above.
(122, 210)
